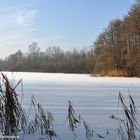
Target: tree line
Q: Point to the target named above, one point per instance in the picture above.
(116, 52)
(53, 59)
(117, 49)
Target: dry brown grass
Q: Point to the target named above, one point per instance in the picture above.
(114, 73)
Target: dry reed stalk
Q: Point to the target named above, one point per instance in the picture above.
(72, 119)
(42, 122)
(12, 116)
(128, 126)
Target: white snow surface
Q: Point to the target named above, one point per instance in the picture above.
(80, 78)
(94, 98)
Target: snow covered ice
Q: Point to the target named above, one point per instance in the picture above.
(95, 98)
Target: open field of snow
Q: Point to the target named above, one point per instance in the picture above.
(95, 98)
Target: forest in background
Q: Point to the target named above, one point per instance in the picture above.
(116, 52)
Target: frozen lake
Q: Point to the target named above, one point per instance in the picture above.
(94, 98)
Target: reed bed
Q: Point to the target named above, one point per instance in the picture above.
(12, 115)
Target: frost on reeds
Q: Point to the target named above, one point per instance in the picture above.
(75, 120)
(72, 119)
(42, 122)
(89, 132)
(128, 125)
(12, 116)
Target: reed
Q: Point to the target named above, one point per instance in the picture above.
(128, 125)
(13, 118)
(75, 120)
(12, 115)
(42, 122)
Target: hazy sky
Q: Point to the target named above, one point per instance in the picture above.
(65, 23)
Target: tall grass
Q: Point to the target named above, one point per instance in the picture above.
(42, 122)
(12, 116)
(128, 125)
(75, 120)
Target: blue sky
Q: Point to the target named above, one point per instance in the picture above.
(64, 23)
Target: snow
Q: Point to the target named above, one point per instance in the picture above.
(80, 78)
(95, 98)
